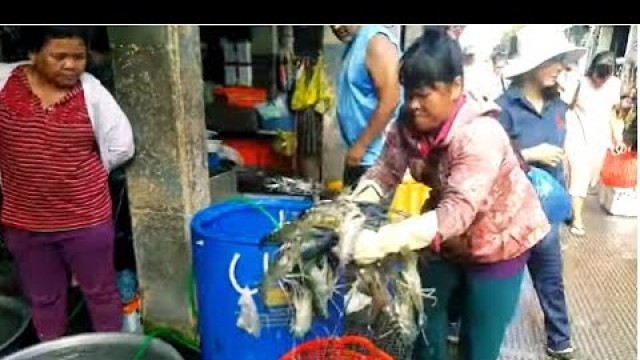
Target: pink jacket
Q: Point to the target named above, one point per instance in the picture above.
(484, 197)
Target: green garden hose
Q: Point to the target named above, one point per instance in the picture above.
(172, 335)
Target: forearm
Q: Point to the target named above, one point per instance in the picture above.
(614, 128)
(390, 167)
(455, 213)
(383, 64)
(388, 176)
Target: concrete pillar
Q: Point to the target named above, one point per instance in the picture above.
(592, 43)
(333, 149)
(605, 39)
(631, 56)
(158, 77)
(631, 52)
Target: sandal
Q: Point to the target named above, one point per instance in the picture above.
(577, 231)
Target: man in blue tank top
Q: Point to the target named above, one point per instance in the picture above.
(369, 93)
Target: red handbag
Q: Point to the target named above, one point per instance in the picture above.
(620, 170)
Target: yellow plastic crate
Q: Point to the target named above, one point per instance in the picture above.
(409, 198)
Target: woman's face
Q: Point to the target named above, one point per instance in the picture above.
(546, 75)
(601, 74)
(431, 106)
(61, 61)
(626, 103)
(602, 71)
(455, 31)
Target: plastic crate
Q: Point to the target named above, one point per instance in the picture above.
(619, 201)
(247, 97)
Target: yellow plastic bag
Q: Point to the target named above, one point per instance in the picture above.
(314, 91)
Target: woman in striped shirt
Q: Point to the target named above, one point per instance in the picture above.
(61, 133)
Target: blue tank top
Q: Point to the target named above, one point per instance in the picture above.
(357, 96)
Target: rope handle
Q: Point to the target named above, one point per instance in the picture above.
(232, 273)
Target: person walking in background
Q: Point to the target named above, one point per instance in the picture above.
(534, 116)
(591, 133)
(61, 133)
(368, 92)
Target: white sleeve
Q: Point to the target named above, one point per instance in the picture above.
(117, 133)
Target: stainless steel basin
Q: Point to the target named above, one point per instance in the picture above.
(14, 320)
(97, 346)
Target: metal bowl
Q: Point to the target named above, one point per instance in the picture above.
(15, 318)
(98, 346)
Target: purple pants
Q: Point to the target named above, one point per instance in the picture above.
(45, 261)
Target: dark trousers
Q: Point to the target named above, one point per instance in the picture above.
(45, 261)
(487, 305)
(545, 267)
(353, 174)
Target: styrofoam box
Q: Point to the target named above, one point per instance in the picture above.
(230, 75)
(229, 50)
(619, 201)
(243, 49)
(245, 75)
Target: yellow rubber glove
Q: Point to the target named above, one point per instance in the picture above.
(412, 234)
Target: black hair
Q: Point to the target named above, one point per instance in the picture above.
(602, 65)
(100, 40)
(36, 37)
(433, 57)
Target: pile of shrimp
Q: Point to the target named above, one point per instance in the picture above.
(314, 266)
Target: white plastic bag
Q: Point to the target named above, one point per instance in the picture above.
(249, 319)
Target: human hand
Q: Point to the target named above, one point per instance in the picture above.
(456, 249)
(546, 154)
(412, 234)
(367, 248)
(619, 148)
(355, 155)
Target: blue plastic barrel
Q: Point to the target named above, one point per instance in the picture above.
(227, 256)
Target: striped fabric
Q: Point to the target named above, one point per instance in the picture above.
(52, 176)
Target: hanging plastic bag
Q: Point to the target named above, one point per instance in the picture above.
(554, 199)
(620, 170)
(312, 89)
(249, 319)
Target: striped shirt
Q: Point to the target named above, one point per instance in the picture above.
(52, 175)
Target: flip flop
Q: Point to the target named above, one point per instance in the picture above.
(577, 231)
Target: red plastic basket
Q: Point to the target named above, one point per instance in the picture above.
(343, 348)
(620, 170)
